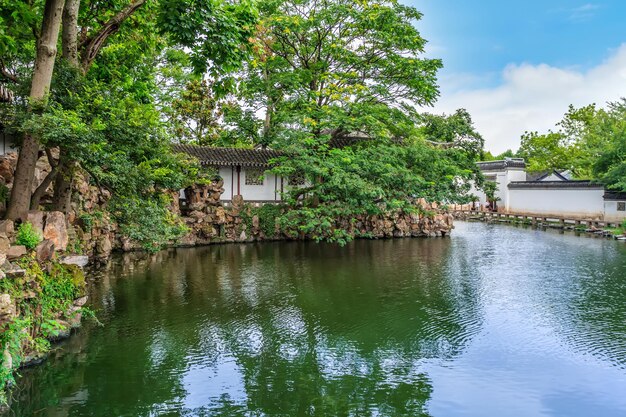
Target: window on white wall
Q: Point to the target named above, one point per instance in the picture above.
(254, 176)
(621, 206)
(296, 179)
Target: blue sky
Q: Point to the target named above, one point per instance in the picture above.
(493, 46)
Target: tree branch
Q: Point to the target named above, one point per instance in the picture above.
(93, 44)
(7, 74)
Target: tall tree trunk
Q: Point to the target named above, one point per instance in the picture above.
(62, 195)
(42, 76)
(63, 184)
(69, 38)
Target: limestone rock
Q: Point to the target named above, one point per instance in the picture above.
(16, 251)
(56, 230)
(7, 306)
(36, 218)
(7, 360)
(220, 215)
(79, 302)
(45, 250)
(198, 215)
(104, 246)
(7, 227)
(78, 260)
(237, 202)
(5, 243)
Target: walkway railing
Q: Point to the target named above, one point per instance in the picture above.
(538, 219)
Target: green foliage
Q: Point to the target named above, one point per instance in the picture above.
(4, 193)
(27, 236)
(487, 156)
(607, 137)
(148, 222)
(195, 114)
(338, 65)
(490, 188)
(41, 297)
(268, 215)
(374, 177)
(216, 32)
(590, 142)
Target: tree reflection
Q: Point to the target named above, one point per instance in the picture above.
(269, 329)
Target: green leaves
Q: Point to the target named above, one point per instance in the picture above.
(217, 32)
(590, 142)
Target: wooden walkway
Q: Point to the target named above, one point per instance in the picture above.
(537, 219)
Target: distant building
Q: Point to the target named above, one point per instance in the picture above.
(552, 193)
(244, 171)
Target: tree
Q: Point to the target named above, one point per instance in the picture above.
(327, 68)
(40, 85)
(546, 152)
(326, 72)
(569, 147)
(195, 115)
(88, 27)
(609, 129)
(589, 142)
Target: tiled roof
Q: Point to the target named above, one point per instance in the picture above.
(555, 184)
(615, 196)
(501, 165)
(230, 156)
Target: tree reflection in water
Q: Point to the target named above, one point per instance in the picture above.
(268, 329)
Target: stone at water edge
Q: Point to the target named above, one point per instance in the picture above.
(81, 301)
(16, 251)
(78, 260)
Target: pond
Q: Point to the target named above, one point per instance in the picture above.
(493, 321)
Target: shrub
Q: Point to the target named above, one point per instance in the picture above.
(27, 236)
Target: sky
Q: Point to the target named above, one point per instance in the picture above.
(517, 65)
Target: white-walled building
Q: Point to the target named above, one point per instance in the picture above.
(244, 171)
(502, 173)
(550, 194)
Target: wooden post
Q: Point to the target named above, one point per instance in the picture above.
(238, 179)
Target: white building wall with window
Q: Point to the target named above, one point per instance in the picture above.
(252, 183)
(615, 210)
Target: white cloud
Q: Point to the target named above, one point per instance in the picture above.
(533, 97)
(583, 12)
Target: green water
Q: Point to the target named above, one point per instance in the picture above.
(494, 321)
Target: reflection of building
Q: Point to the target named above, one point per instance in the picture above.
(550, 193)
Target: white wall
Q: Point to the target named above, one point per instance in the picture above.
(583, 203)
(6, 144)
(269, 191)
(502, 179)
(230, 186)
(611, 214)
